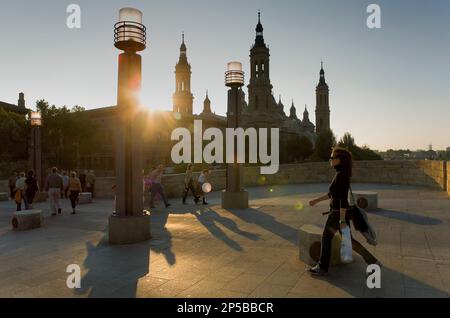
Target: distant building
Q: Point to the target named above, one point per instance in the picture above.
(19, 108)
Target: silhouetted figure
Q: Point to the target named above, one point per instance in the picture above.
(157, 187)
(83, 180)
(90, 182)
(189, 184)
(32, 188)
(12, 184)
(65, 179)
(19, 191)
(74, 190)
(202, 179)
(54, 186)
(339, 218)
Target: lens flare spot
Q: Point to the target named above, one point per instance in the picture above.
(299, 206)
(206, 187)
(262, 180)
(270, 190)
(177, 116)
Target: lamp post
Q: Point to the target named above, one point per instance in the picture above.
(36, 149)
(130, 223)
(234, 197)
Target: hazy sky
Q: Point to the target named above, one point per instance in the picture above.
(389, 87)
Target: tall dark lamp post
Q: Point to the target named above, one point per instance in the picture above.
(130, 223)
(36, 147)
(234, 197)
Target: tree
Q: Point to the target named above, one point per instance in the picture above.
(325, 141)
(364, 153)
(65, 133)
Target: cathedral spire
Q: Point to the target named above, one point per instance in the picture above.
(207, 104)
(183, 45)
(259, 41)
(293, 111)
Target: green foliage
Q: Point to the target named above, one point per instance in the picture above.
(325, 141)
(14, 130)
(65, 134)
(295, 149)
(359, 153)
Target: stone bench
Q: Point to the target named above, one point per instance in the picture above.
(4, 196)
(27, 220)
(366, 200)
(310, 237)
(85, 197)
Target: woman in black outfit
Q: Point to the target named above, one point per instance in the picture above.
(338, 219)
(31, 189)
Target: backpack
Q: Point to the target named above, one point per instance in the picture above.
(361, 221)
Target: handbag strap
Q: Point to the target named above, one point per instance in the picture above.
(352, 197)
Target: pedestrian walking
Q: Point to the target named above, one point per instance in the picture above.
(19, 192)
(31, 189)
(74, 190)
(189, 184)
(338, 218)
(54, 186)
(157, 187)
(12, 184)
(202, 179)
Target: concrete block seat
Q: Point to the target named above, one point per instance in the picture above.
(310, 242)
(4, 196)
(27, 220)
(366, 200)
(85, 197)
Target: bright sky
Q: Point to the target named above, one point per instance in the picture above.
(388, 86)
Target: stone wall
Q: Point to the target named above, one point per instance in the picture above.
(432, 174)
(4, 187)
(448, 177)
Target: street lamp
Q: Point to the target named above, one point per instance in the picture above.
(130, 223)
(234, 195)
(36, 149)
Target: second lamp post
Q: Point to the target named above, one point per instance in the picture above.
(234, 197)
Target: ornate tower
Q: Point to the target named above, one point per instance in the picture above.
(207, 105)
(260, 88)
(183, 98)
(322, 104)
(293, 111)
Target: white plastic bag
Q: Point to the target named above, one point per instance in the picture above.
(346, 246)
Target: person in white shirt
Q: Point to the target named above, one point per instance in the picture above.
(202, 179)
(157, 187)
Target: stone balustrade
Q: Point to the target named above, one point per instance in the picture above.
(428, 173)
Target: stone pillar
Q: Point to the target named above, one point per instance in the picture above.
(234, 197)
(36, 153)
(130, 223)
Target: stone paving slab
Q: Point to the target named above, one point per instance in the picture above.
(205, 251)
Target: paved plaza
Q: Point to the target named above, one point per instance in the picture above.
(205, 251)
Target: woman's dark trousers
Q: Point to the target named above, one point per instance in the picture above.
(331, 227)
(190, 186)
(73, 198)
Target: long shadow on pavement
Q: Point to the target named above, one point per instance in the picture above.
(408, 217)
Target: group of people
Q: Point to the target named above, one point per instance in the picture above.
(25, 188)
(153, 185)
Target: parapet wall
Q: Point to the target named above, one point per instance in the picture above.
(431, 174)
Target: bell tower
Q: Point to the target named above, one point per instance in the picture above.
(183, 98)
(322, 104)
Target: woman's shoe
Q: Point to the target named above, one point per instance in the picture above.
(317, 271)
(196, 200)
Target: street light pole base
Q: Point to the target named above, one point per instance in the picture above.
(129, 229)
(235, 200)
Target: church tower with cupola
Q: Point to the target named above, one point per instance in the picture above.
(322, 104)
(183, 98)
